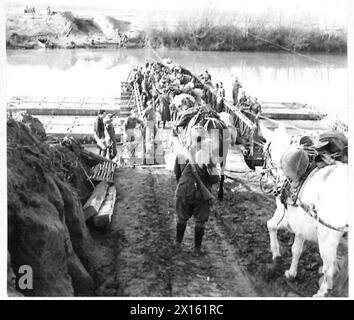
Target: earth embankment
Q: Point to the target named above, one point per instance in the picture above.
(46, 187)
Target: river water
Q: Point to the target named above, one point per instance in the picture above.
(317, 80)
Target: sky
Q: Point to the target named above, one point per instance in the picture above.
(324, 7)
(328, 12)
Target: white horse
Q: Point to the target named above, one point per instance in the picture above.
(324, 194)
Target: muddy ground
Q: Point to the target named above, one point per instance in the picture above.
(237, 258)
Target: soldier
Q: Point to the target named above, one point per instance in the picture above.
(220, 98)
(249, 102)
(129, 127)
(150, 115)
(206, 76)
(145, 87)
(139, 78)
(235, 88)
(191, 197)
(110, 136)
(243, 99)
(256, 107)
(133, 76)
(214, 99)
(99, 133)
(164, 102)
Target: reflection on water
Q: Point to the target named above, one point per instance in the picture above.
(269, 76)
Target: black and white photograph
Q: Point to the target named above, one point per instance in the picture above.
(176, 150)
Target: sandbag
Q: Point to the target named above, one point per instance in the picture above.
(294, 163)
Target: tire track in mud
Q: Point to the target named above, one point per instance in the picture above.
(147, 265)
(141, 266)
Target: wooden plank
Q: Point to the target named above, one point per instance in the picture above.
(65, 112)
(93, 157)
(94, 203)
(289, 115)
(155, 166)
(235, 161)
(104, 216)
(63, 100)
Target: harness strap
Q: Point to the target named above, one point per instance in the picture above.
(308, 174)
(311, 209)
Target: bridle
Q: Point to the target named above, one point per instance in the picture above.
(269, 172)
(268, 158)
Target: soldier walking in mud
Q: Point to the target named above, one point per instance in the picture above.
(194, 181)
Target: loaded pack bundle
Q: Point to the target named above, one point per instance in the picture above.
(201, 115)
(307, 153)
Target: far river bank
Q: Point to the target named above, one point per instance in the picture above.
(65, 30)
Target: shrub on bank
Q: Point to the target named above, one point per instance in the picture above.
(256, 37)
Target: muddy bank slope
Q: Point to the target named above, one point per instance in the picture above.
(46, 228)
(65, 30)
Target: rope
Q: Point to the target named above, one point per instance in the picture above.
(277, 122)
(87, 176)
(138, 100)
(312, 212)
(290, 50)
(248, 122)
(154, 51)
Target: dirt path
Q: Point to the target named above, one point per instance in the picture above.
(143, 231)
(236, 241)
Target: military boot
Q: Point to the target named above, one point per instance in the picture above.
(180, 229)
(198, 238)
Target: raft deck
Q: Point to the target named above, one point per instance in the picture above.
(75, 116)
(88, 106)
(235, 161)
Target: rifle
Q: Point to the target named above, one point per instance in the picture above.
(206, 194)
